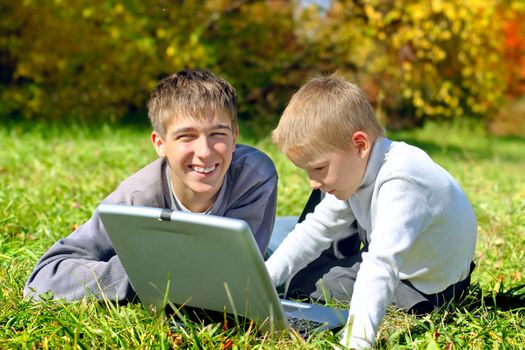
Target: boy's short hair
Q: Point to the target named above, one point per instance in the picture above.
(190, 93)
(325, 111)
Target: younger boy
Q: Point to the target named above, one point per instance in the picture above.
(200, 169)
(416, 225)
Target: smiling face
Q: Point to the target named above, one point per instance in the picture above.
(199, 153)
(335, 171)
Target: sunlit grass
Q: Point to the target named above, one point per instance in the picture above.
(52, 177)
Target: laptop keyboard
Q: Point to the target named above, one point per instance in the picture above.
(304, 327)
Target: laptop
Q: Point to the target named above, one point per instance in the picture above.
(205, 262)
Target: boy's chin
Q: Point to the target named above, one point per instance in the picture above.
(341, 196)
(206, 188)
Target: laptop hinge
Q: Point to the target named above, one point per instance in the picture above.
(165, 215)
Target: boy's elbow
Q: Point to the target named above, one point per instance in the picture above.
(40, 287)
(31, 294)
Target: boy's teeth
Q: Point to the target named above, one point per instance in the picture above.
(203, 170)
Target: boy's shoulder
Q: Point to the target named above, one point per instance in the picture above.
(250, 159)
(145, 185)
(148, 175)
(400, 153)
(403, 159)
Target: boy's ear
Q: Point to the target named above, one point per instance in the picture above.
(361, 142)
(158, 144)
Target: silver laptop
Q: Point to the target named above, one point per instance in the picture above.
(205, 262)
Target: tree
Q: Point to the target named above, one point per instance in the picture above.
(419, 59)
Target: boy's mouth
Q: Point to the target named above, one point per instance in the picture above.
(203, 170)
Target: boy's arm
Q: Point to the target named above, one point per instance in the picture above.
(84, 263)
(328, 222)
(402, 214)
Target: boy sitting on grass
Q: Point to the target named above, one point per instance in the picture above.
(416, 226)
(200, 169)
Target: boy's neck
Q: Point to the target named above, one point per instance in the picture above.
(183, 207)
(195, 203)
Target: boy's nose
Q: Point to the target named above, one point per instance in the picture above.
(203, 148)
(315, 184)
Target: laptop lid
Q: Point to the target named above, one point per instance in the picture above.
(197, 260)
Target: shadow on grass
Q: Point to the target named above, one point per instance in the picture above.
(512, 299)
(477, 304)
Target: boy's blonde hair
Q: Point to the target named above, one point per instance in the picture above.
(190, 93)
(326, 111)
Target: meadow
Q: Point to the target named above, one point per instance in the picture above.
(53, 176)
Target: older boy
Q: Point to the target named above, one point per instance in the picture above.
(417, 227)
(201, 169)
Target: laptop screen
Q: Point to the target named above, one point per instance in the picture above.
(202, 261)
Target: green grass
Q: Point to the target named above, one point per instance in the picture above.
(52, 177)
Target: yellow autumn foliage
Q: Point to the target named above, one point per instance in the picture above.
(416, 59)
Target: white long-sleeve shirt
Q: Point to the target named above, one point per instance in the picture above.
(419, 225)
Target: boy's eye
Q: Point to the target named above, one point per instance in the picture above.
(319, 168)
(219, 134)
(184, 137)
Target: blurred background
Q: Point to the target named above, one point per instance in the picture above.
(97, 61)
